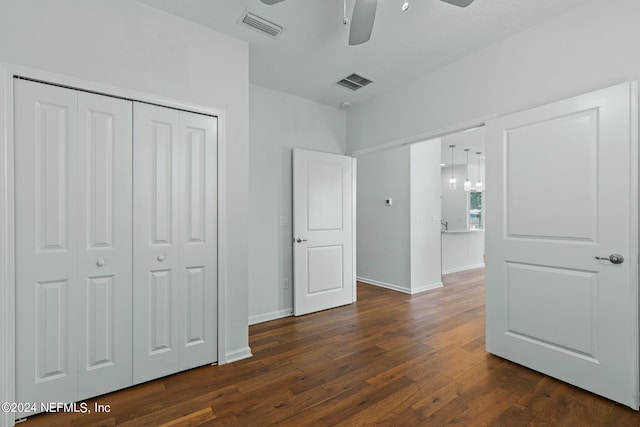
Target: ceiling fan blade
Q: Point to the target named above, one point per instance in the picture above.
(459, 3)
(364, 14)
(270, 2)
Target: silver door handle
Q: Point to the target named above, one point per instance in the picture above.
(613, 258)
(299, 240)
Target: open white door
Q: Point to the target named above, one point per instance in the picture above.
(323, 246)
(562, 192)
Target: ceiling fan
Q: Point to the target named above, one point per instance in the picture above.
(364, 14)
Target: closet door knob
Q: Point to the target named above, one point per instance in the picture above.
(160, 258)
(100, 263)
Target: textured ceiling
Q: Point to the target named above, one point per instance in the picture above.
(313, 52)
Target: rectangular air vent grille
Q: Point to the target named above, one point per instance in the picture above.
(258, 23)
(354, 82)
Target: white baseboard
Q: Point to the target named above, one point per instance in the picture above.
(239, 354)
(384, 285)
(278, 314)
(400, 288)
(463, 268)
(428, 287)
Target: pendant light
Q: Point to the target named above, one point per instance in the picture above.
(345, 19)
(467, 183)
(452, 180)
(479, 182)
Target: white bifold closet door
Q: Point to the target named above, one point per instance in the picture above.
(116, 242)
(175, 241)
(73, 243)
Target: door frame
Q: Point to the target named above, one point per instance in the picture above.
(7, 202)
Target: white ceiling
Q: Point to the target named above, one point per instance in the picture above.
(313, 52)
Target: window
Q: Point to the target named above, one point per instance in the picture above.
(475, 210)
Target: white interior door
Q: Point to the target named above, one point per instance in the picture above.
(73, 243)
(175, 241)
(156, 241)
(323, 224)
(561, 191)
(105, 244)
(198, 240)
(46, 182)
(83, 328)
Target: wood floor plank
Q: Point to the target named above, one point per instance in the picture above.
(515, 415)
(400, 389)
(355, 397)
(390, 359)
(484, 409)
(437, 399)
(192, 419)
(621, 416)
(379, 409)
(448, 414)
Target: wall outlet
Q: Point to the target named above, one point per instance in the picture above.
(285, 283)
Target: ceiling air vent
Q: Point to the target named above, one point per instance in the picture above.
(354, 82)
(258, 23)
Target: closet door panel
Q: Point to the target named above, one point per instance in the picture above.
(105, 244)
(46, 242)
(156, 245)
(198, 239)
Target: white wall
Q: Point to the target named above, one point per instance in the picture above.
(398, 246)
(383, 232)
(462, 251)
(280, 122)
(129, 45)
(425, 216)
(592, 46)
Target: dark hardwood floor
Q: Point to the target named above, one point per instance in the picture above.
(390, 359)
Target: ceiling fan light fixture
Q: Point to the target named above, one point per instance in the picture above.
(362, 19)
(459, 3)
